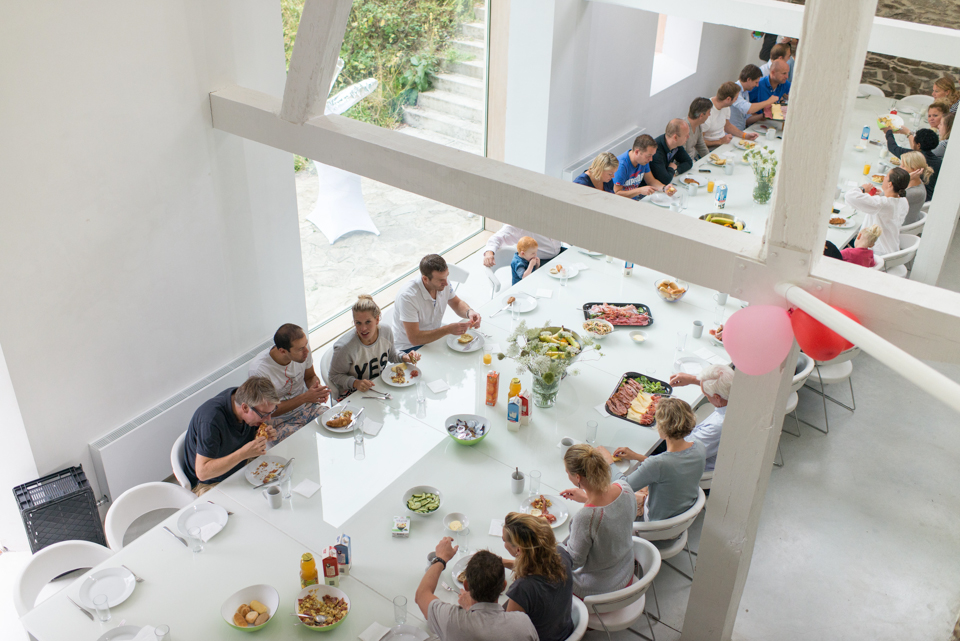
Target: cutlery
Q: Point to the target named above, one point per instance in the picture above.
(507, 306)
(446, 587)
(482, 334)
(82, 609)
(137, 578)
(318, 619)
(175, 536)
(229, 513)
(584, 252)
(283, 469)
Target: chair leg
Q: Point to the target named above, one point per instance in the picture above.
(653, 637)
(604, 625)
(780, 454)
(823, 397)
(852, 397)
(786, 431)
(656, 602)
(678, 571)
(822, 393)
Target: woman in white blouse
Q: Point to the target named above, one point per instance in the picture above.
(887, 208)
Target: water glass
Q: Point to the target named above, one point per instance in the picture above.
(681, 341)
(515, 311)
(592, 432)
(162, 632)
(400, 610)
(100, 604)
(358, 451)
(286, 486)
(534, 482)
(462, 546)
(421, 392)
(563, 277)
(193, 538)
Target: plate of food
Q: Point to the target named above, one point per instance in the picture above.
(692, 180)
(458, 571)
(671, 289)
(546, 506)
(893, 160)
(340, 417)
(423, 500)
(401, 375)
(263, 469)
(725, 220)
(324, 600)
(619, 314)
(467, 429)
(716, 335)
(251, 608)
(598, 328)
(200, 515)
(471, 341)
(116, 583)
(839, 222)
(522, 303)
(635, 398)
(716, 160)
(661, 198)
(746, 145)
(877, 178)
(555, 271)
(890, 121)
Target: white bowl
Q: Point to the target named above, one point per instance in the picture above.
(455, 516)
(421, 489)
(637, 333)
(594, 336)
(265, 594)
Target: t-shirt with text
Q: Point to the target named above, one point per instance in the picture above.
(629, 176)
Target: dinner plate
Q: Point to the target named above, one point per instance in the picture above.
(255, 475)
(116, 583)
(710, 162)
(681, 181)
(410, 380)
(846, 225)
(404, 632)
(895, 121)
(557, 508)
(571, 272)
(746, 145)
(660, 199)
(200, 515)
(689, 365)
(472, 346)
(877, 179)
(523, 304)
(121, 633)
(336, 409)
(591, 253)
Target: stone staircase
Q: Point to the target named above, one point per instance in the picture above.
(451, 113)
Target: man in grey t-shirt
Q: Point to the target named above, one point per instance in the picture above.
(478, 617)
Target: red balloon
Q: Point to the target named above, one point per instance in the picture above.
(816, 339)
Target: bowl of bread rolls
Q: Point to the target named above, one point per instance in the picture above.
(251, 608)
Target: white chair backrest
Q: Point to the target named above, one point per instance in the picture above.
(673, 527)
(877, 263)
(581, 617)
(325, 360)
(846, 355)
(648, 556)
(706, 480)
(869, 90)
(916, 227)
(176, 462)
(806, 364)
(918, 102)
(908, 249)
(501, 258)
(925, 207)
(51, 562)
(139, 500)
(457, 275)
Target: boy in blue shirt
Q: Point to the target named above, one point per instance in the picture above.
(775, 84)
(525, 261)
(634, 167)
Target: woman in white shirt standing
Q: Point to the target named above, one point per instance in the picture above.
(888, 208)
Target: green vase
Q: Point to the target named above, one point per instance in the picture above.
(763, 189)
(545, 394)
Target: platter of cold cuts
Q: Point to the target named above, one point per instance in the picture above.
(619, 314)
(635, 398)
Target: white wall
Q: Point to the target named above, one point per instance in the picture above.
(139, 248)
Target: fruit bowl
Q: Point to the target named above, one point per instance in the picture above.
(672, 289)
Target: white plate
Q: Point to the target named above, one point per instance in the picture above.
(255, 475)
(523, 304)
(459, 567)
(710, 162)
(741, 145)
(199, 515)
(122, 633)
(404, 632)
(660, 199)
(571, 272)
(689, 365)
(590, 253)
(847, 225)
(679, 182)
(557, 508)
(336, 409)
(895, 120)
(116, 583)
(387, 375)
(472, 346)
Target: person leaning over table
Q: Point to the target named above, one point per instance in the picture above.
(936, 113)
(698, 113)
(601, 172)
(924, 141)
(543, 576)
(361, 356)
(634, 166)
(421, 302)
(600, 543)
(714, 128)
(478, 617)
(742, 111)
(222, 435)
(916, 165)
(667, 484)
(289, 366)
(774, 84)
(671, 158)
(547, 248)
(946, 91)
(715, 382)
(886, 209)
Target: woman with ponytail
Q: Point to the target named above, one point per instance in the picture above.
(600, 544)
(916, 165)
(544, 576)
(887, 208)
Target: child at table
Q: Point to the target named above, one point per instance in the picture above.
(862, 251)
(525, 261)
(360, 357)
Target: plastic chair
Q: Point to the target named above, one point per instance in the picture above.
(325, 360)
(581, 617)
(458, 275)
(704, 409)
(918, 102)
(830, 372)
(51, 562)
(340, 207)
(176, 462)
(501, 258)
(916, 227)
(908, 251)
(878, 263)
(138, 501)
(870, 90)
(620, 609)
(805, 363)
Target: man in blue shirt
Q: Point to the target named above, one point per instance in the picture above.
(634, 166)
(744, 112)
(776, 84)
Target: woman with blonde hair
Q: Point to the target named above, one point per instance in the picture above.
(916, 165)
(360, 357)
(600, 544)
(944, 128)
(669, 481)
(862, 251)
(936, 113)
(543, 573)
(945, 90)
(601, 172)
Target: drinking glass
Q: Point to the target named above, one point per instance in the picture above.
(103, 610)
(286, 486)
(718, 315)
(563, 277)
(515, 311)
(400, 610)
(162, 632)
(534, 482)
(421, 392)
(591, 432)
(463, 548)
(358, 451)
(193, 538)
(681, 341)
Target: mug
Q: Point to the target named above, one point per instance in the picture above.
(728, 168)
(697, 329)
(674, 206)
(565, 444)
(720, 298)
(273, 496)
(517, 480)
(430, 557)
(692, 189)
(771, 134)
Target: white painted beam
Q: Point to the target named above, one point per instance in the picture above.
(313, 62)
(892, 37)
(941, 224)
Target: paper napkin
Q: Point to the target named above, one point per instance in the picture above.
(581, 266)
(374, 633)
(438, 386)
(306, 488)
(146, 633)
(209, 530)
(545, 293)
(704, 353)
(496, 527)
(602, 409)
(371, 428)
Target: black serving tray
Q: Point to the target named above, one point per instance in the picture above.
(665, 384)
(645, 308)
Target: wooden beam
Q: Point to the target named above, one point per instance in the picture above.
(751, 432)
(314, 59)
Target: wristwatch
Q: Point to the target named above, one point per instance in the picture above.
(439, 560)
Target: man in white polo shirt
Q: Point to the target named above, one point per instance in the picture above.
(420, 304)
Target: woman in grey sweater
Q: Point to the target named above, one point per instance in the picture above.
(600, 544)
(360, 357)
(916, 165)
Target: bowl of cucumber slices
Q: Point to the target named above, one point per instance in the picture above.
(422, 500)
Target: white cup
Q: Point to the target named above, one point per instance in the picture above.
(273, 496)
(697, 329)
(565, 444)
(771, 134)
(720, 298)
(728, 168)
(692, 189)
(517, 480)
(674, 206)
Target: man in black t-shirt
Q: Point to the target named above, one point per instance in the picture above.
(222, 434)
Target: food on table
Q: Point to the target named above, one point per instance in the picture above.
(636, 400)
(329, 606)
(342, 419)
(746, 144)
(893, 160)
(415, 373)
(541, 502)
(620, 315)
(670, 190)
(539, 508)
(671, 290)
(455, 526)
(717, 333)
(717, 160)
(885, 122)
(262, 432)
(511, 300)
(837, 220)
(617, 459)
(267, 471)
(691, 181)
(776, 112)
(398, 373)
(462, 576)
(560, 344)
(255, 614)
(725, 221)
(556, 269)
(467, 430)
(877, 178)
(597, 327)
(465, 338)
(423, 503)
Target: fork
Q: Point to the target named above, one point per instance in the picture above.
(81, 608)
(137, 578)
(386, 395)
(446, 587)
(229, 513)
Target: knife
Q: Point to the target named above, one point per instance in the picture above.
(175, 536)
(279, 475)
(82, 609)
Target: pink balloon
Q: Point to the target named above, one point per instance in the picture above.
(758, 338)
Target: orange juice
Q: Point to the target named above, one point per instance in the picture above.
(710, 185)
(487, 358)
(308, 570)
(866, 169)
(514, 389)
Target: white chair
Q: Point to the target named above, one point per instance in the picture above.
(325, 360)
(501, 258)
(916, 102)
(898, 259)
(620, 609)
(870, 90)
(457, 276)
(704, 409)
(340, 207)
(878, 263)
(176, 462)
(51, 562)
(140, 500)
(915, 228)
(805, 365)
(581, 617)
(829, 373)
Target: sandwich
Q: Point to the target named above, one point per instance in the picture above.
(341, 420)
(465, 338)
(262, 432)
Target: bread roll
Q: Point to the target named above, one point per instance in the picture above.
(259, 607)
(252, 616)
(261, 619)
(243, 610)
(239, 620)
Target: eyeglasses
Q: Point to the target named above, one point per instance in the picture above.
(262, 415)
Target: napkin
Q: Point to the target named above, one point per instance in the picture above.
(545, 293)
(602, 409)
(581, 266)
(438, 386)
(306, 488)
(371, 428)
(374, 633)
(146, 633)
(496, 527)
(209, 530)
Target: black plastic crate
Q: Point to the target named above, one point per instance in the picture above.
(59, 507)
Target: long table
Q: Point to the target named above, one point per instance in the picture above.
(360, 497)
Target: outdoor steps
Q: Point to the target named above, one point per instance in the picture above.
(460, 85)
(469, 68)
(474, 49)
(445, 124)
(452, 104)
(475, 30)
(440, 139)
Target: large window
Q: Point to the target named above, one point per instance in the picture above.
(676, 51)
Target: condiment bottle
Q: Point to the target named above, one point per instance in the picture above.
(514, 388)
(308, 571)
